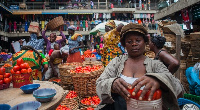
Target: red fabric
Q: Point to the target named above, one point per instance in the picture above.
(185, 15)
(50, 52)
(75, 57)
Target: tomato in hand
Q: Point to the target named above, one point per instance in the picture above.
(2, 70)
(16, 68)
(1, 77)
(6, 75)
(1, 82)
(131, 91)
(19, 61)
(137, 96)
(29, 70)
(7, 80)
(18, 72)
(12, 71)
(158, 94)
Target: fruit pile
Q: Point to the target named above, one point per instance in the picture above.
(5, 78)
(21, 67)
(7, 65)
(71, 95)
(61, 107)
(3, 53)
(91, 101)
(86, 69)
(157, 94)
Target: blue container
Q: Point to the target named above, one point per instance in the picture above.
(29, 88)
(32, 105)
(44, 95)
(4, 107)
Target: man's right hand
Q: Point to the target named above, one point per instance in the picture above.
(120, 86)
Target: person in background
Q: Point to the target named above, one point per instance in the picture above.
(75, 42)
(91, 4)
(15, 26)
(156, 44)
(10, 24)
(56, 47)
(111, 40)
(57, 57)
(118, 76)
(50, 43)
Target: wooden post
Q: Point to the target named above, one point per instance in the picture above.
(98, 4)
(106, 4)
(178, 52)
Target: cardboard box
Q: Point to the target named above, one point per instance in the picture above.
(34, 27)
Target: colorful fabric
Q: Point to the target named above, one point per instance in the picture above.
(75, 36)
(50, 52)
(34, 61)
(74, 57)
(74, 43)
(57, 61)
(111, 23)
(110, 49)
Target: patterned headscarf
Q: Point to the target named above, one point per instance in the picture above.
(72, 27)
(111, 23)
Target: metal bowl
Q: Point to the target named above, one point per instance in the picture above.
(29, 88)
(44, 95)
(4, 107)
(32, 105)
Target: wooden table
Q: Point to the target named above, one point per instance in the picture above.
(14, 96)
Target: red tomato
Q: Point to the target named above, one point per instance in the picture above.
(158, 94)
(131, 91)
(12, 71)
(6, 80)
(19, 61)
(146, 97)
(23, 66)
(2, 70)
(137, 96)
(1, 77)
(1, 82)
(24, 71)
(18, 72)
(29, 70)
(16, 68)
(6, 75)
(27, 65)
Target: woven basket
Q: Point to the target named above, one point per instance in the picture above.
(55, 23)
(73, 103)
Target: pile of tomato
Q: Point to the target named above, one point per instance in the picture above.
(61, 107)
(89, 108)
(86, 69)
(5, 78)
(157, 94)
(91, 101)
(71, 95)
(3, 53)
(21, 67)
(7, 65)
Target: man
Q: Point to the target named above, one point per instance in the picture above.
(57, 57)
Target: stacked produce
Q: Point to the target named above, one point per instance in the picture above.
(90, 101)
(5, 79)
(71, 100)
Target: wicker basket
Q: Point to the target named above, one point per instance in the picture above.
(73, 103)
(55, 23)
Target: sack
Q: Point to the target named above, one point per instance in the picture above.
(34, 27)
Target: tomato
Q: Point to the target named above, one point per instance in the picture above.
(27, 65)
(16, 68)
(23, 66)
(6, 80)
(29, 70)
(146, 96)
(6, 75)
(158, 94)
(18, 72)
(137, 96)
(1, 77)
(2, 70)
(12, 71)
(24, 71)
(19, 61)
(1, 82)
(131, 91)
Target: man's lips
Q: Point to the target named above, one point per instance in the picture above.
(135, 50)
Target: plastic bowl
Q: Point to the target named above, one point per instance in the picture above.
(29, 88)
(32, 105)
(4, 107)
(44, 95)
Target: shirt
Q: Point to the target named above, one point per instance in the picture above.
(153, 68)
(74, 43)
(36, 43)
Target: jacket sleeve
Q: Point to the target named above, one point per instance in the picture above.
(170, 85)
(44, 37)
(63, 38)
(104, 82)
